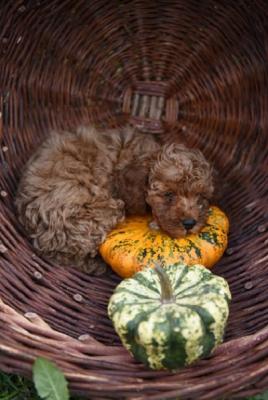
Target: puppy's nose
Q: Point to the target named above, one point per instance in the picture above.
(188, 223)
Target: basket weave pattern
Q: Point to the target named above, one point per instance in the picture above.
(198, 68)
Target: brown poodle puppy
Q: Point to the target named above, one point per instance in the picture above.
(78, 186)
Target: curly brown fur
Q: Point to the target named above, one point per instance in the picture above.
(180, 187)
(78, 186)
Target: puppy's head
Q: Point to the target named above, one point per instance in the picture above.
(180, 187)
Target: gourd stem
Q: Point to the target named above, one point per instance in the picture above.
(166, 288)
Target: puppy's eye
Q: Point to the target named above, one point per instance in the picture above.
(202, 202)
(169, 195)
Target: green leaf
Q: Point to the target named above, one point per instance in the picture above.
(49, 381)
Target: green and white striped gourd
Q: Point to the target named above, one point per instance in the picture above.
(170, 318)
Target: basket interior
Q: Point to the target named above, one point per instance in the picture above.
(198, 69)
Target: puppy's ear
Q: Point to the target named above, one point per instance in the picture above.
(132, 182)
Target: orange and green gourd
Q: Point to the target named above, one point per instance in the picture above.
(132, 245)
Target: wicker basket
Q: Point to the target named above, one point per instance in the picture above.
(197, 67)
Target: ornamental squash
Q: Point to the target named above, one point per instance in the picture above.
(132, 245)
(169, 318)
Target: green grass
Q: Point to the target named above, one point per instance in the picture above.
(263, 396)
(14, 387)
